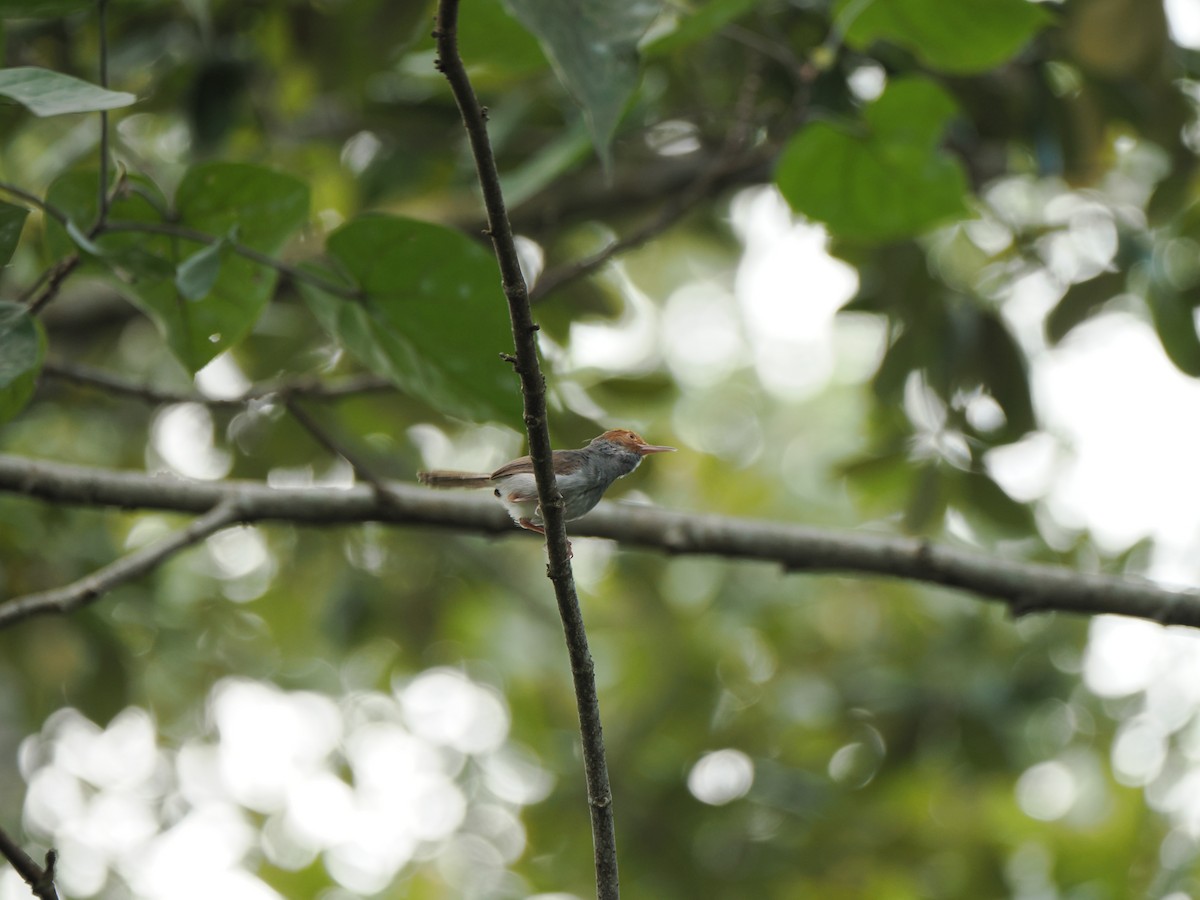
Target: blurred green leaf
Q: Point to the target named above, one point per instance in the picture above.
(37, 9)
(196, 275)
(549, 163)
(927, 504)
(22, 348)
(12, 220)
(1081, 301)
(593, 45)
(135, 255)
(983, 497)
(1176, 327)
(265, 207)
(435, 319)
(1002, 368)
(697, 24)
(962, 36)
(881, 482)
(495, 47)
(888, 181)
(47, 93)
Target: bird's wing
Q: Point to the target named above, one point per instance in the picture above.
(524, 464)
(566, 462)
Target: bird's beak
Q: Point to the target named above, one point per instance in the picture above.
(647, 449)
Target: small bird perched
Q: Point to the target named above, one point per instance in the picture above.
(583, 476)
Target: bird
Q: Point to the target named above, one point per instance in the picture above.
(583, 476)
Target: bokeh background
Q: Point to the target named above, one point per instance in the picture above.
(372, 711)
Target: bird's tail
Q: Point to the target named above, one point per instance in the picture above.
(443, 478)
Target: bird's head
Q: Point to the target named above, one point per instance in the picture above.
(623, 439)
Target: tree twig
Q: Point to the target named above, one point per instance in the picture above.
(93, 586)
(20, 193)
(550, 501)
(362, 469)
(39, 879)
(78, 373)
(296, 273)
(102, 198)
(727, 160)
(1025, 587)
(52, 280)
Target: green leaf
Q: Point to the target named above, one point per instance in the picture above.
(927, 505)
(196, 275)
(12, 220)
(550, 162)
(889, 181)
(266, 207)
(962, 36)
(592, 45)
(434, 320)
(881, 483)
(981, 497)
(697, 25)
(1176, 327)
(1003, 369)
(132, 255)
(1080, 301)
(22, 349)
(496, 48)
(47, 93)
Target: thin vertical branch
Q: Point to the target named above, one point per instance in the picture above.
(533, 391)
(102, 201)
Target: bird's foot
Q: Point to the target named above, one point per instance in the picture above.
(528, 525)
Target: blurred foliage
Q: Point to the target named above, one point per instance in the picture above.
(951, 150)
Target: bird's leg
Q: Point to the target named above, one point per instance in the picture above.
(527, 523)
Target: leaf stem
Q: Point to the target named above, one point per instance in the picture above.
(200, 237)
(102, 192)
(48, 208)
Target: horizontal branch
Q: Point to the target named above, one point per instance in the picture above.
(92, 587)
(1025, 587)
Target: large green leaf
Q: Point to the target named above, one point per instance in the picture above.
(12, 220)
(959, 36)
(592, 45)
(889, 181)
(36, 9)
(134, 256)
(266, 208)
(496, 47)
(434, 319)
(1176, 326)
(263, 208)
(22, 348)
(697, 23)
(47, 93)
